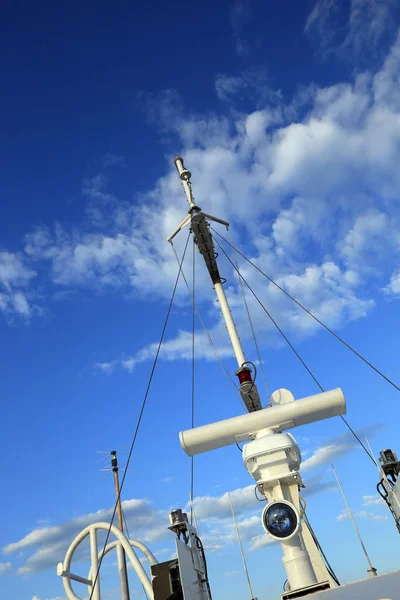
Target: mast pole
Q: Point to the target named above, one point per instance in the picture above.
(205, 244)
(123, 571)
(241, 548)
(372, 572)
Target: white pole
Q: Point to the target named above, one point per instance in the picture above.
(230, 325)
(371, 570)
(123, 574)
(95, 591)
(241, 547)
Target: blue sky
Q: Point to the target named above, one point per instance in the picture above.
(288, 115)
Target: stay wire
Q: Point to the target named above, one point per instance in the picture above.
(251, 326)
(295, 352)
(140, 415)
(213, 346)
(193, 373)
(341, 340)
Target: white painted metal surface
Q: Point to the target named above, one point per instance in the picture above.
(94, 589)
(382, 587)
(230, 325)
(297, 563)
(272, 456)
(190, 576)
(284, 416)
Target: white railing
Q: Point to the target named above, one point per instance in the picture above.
(121, 542)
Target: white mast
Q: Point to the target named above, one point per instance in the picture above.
(272, 457)
(205, 244)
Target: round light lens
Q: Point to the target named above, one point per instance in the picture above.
(280, 520)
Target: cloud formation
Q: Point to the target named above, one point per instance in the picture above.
(320, 175)
(323, 186)
(364, 514)
(337, 448)
(44, 547)
(357, 34)
(15, 278)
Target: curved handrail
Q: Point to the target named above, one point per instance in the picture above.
(125, 543)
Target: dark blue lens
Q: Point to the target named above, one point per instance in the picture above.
(280, 520)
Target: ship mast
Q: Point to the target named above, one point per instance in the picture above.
(270, 456)
(203, 239)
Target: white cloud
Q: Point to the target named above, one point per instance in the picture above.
(393, 287)
(15, 278)
(49, 544)
(372, 500)
(336, 169)
(368, 23)
(363, 514)
(54, 598)
(113, 160)
(337, 448)
(239, 17)
(260, 541)
(5, 567)
(319, 173)
(254, 85)
(43, 547)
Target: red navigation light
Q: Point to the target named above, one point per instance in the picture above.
(244, 376)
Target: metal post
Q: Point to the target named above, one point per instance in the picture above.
(372, 572)
(95, 592)
(123, 571)
(241, 548)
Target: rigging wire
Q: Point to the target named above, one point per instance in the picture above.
(193, 374)
(140, 414)
(311, 314)
(250, 322)
(213, 346)
(318, 545)
(296, 353)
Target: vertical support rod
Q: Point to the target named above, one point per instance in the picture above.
(372, 572)
(193, 512)
(372, 453)
(95, 592)
(241, 548)
(230, 325)
(123, 571)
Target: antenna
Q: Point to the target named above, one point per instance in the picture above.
(193, 512)
(123, 572)
(372, 452)
(241, 549)
(371, 570)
